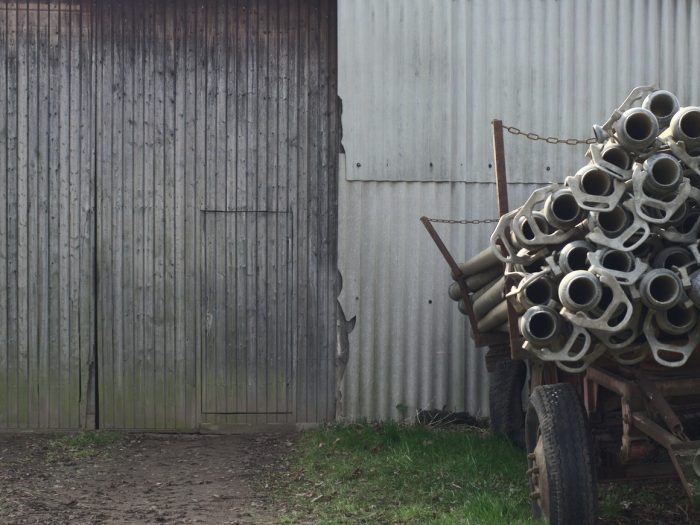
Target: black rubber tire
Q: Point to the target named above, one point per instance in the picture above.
(506, 381)
(556, 413)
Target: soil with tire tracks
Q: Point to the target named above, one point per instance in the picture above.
(151, 478)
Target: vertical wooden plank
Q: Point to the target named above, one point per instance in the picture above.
(332, 105)
(70, 393)
(170, 181)
(209, 232)
(150, 153)
(117, 240)
(126, 246)
(88, 228)
(274, 323)
(273, 350)
(137, 20)
(296, 325)
(231, 381)
(4, 348)
(262, 377)
(96, 363)
(39, 301)
(37, 206)
(13, 392)
(159, 255)
(50, 365)
(179, 379)
(313, 362)
(106, 346)
(285, 332)
(188, 276)
(98, 68)
(241, 194)
(61, 412)
(251, 231)
(200, 194)
(301, 274)
(324, 389)
(26, 87)
(215, 199)
(276, 296)
(220, 188)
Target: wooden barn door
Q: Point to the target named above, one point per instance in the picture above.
(168, 211)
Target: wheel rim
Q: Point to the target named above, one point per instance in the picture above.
(538, 476)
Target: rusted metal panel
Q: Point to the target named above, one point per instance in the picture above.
(218, 109)
(46, 211)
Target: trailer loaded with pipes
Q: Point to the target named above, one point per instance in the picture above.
(591, 290)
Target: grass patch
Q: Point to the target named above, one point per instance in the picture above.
(85, 444)
(396, 474)
(407, 474)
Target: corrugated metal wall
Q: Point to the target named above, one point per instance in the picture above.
(46, 196)
(420, 81)
(204, 109)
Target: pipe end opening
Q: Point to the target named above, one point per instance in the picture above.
(663, 105)
(664, 289)
(639, 127)
(690, 124)
(542, 325)
(565, 208)
(539, 291)
(596, 182)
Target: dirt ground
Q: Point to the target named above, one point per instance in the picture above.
(139, 479)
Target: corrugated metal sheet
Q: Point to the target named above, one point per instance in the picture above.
(46, 256)
(410, 346)
(420, 81)
(204, 109)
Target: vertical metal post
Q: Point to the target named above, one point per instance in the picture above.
(479, 338)
(499, 158)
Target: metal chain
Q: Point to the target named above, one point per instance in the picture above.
(463, 221)
(549, 140)
(530, 136)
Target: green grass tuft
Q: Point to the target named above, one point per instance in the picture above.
(392, 473)
(82, 445)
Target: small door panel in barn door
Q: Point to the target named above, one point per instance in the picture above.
(247, 360)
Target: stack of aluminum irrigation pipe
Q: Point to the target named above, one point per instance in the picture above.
(607, 263)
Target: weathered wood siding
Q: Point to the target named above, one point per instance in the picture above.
(168, 204)
(46, 214)
(207, 112)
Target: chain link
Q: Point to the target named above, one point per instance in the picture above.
(549, 140)
(463, 221)
(530, 136)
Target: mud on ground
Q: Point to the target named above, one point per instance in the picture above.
(151, 478)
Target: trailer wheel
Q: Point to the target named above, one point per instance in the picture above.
(506, 380)
(561, 469)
